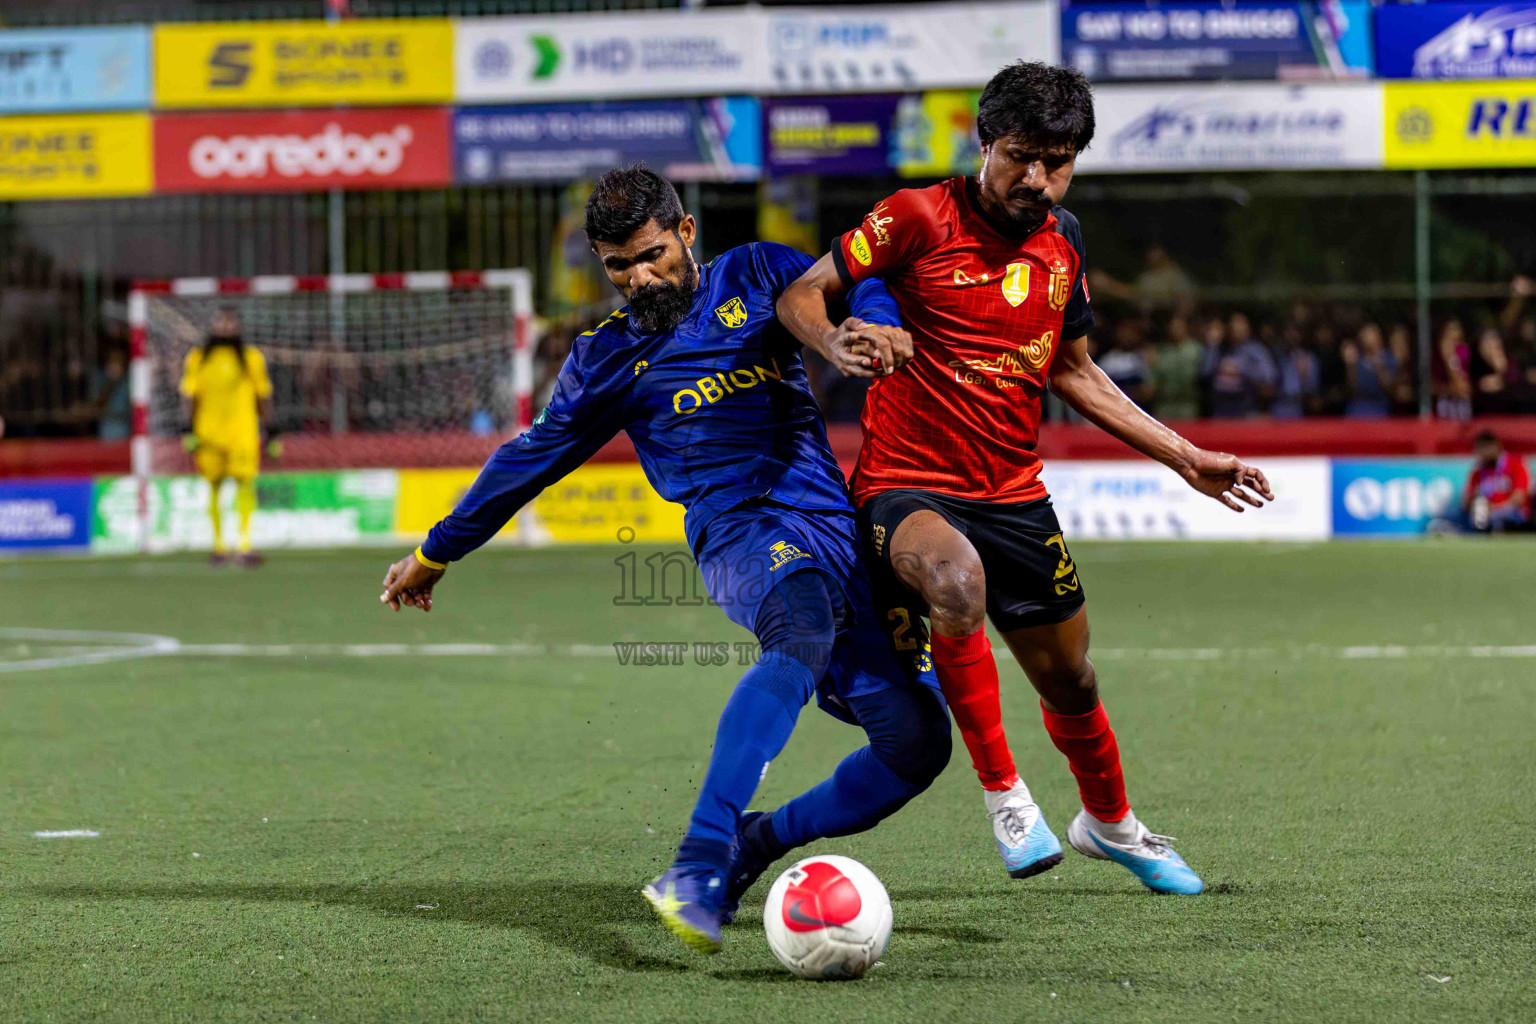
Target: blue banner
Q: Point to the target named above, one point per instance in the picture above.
(686, 140)
(1395, 496)
(74, 69)
(45, 514)
(831, 134)
(1241, 39)
(1442, 40)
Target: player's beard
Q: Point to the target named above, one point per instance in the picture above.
(661, 306)
(1030, 217)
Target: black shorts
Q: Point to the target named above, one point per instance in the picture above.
(1031, 578)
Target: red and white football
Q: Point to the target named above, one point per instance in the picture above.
(828, 917)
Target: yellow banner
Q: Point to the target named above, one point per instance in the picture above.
(1456, 124)
(604, 503)
(296, 63)
(74, 155)
(936, 135)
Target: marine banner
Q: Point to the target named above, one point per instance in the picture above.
(1456, 40)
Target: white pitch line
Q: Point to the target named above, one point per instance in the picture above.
(68, 833)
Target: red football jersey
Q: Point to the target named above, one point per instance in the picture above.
(987, 313)
(1505, 479)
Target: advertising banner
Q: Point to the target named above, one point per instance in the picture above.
(74, 69)
(70, 155)
(319, 509)
(936, 134)
(905, 47)
(1138, 499)
(1455, 124)
(45, 514)
(601, 56)
(687, 140)
(304, 63)
(830, 134)
(1451, 40)
(1206, 39)
(303, 149)
(602, 503)
(1243, 126)
(1387, 497)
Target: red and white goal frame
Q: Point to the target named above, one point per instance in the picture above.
(518, 284)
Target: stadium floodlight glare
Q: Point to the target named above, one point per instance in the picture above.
(368, 370)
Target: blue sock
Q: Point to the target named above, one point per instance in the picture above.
(861, 793)
(753, 729)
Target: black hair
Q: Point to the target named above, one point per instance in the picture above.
(235, 342)
(1038, 103)
(625, 198)
(1485, 437)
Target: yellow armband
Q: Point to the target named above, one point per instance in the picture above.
(424, 560)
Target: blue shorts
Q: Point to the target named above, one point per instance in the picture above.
(745, 552)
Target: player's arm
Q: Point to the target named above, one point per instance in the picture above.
(582, 416)
(1078, 381)
(868, 340)
(188, 389)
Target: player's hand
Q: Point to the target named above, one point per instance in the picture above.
(858, 349)
(408, 582)
(893, 346)
(190, 443)
(1224, 477)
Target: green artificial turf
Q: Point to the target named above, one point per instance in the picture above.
(325, 836)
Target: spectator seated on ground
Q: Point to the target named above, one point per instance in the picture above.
(1497, 497)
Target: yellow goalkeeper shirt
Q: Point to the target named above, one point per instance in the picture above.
(226, 395)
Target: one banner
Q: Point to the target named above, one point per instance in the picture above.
(936, 134)
(308, 509)
(1451, 40)
(1241, 126)
(600, 503)
(299, 63)
(303, 149)
(1395, 496)
(45, 514)
(1138, 499)
(905, 47)
(688, 140)
(1208, 39)
(74, 155)
(829, 134)
(74, 69)
(600, 56)
(1455, 124)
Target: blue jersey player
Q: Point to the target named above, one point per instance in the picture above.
(712, 392)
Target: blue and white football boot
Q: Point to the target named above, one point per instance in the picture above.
(1150, 857)
(1026, 842)
(688, 903)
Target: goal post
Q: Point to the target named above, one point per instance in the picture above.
(367, 370)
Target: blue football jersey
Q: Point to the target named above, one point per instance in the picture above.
(718, 408)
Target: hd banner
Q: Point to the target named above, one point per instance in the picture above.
(303, 150)
(74, 155)
(686, 140)
(1452, 40)
(1205, 39)
(74, 69)
(1246, 126)
(1461, 124)
(601, 56)
(298, 63)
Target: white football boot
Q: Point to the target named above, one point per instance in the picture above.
(1151, 858)
(1026, 842)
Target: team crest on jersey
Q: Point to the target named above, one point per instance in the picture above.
(732, 313)
(1060, 287)
(860, 248)
(1016, 283)
(783, 553)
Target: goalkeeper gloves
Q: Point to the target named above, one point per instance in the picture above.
(274, 445)
(190, 442)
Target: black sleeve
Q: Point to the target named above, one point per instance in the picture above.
(1077, 320)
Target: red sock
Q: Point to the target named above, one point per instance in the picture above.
(1094, 757)
(968, 676)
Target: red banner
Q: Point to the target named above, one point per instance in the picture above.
(303, 150)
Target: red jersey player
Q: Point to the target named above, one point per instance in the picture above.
(988, 272)
(1498, 492)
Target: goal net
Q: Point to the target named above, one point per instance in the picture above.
(368, 371)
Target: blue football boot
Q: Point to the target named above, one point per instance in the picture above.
(1026, 842)
(1151, 858)
(688, 903)
(751, 859)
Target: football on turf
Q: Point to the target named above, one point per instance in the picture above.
(828, 917)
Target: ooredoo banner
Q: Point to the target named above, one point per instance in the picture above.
(303, 149)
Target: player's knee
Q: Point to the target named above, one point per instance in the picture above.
(798, 619)
(956, 592)
(912, 738)
(1072, 688)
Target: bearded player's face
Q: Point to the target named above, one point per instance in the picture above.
(654, 270)
(1020, 181)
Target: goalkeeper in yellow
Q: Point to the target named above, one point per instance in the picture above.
(226, 382)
